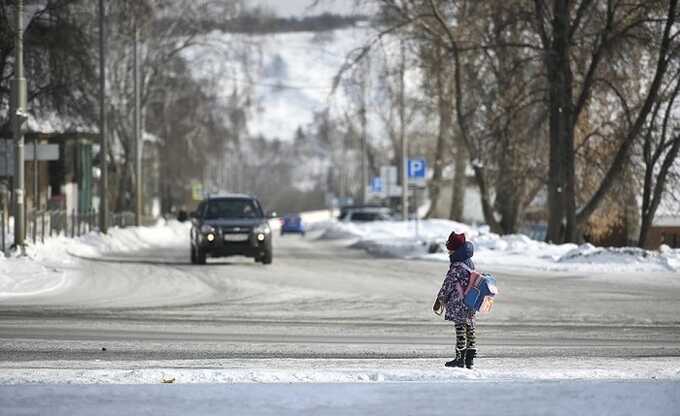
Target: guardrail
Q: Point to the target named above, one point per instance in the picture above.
(51, 223)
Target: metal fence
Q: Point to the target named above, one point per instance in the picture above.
(4, 231)
(52, 223)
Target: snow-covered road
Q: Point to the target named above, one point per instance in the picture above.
(322, 300)
(323, 313)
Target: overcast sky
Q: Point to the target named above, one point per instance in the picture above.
(287, 8)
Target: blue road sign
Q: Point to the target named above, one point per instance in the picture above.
(417, 169)
(376, 184)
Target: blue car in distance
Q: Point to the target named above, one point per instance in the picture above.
(292, 224)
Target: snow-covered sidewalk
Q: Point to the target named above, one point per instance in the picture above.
(297, 387)
(469, 397)
(338, 371)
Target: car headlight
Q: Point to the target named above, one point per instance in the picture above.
(205, 229)
(262, 229)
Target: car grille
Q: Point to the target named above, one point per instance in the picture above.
(236, 230)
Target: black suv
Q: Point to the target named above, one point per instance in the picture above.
(229, 226)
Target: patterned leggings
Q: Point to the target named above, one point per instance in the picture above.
(465, 336)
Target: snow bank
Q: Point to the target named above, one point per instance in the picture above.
(342, 371)
(424, 241)
(125, 240)
(41, 270)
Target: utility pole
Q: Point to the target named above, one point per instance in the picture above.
(138, 133)
(364, 167)
(103, 151)
(404, 142)
(18, 114)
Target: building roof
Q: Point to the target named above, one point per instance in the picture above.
(50, 123)
(667, 221)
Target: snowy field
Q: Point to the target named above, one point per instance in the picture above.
(345, 327)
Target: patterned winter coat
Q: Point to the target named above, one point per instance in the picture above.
(449, 296)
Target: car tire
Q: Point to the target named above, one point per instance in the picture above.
(193, 255)
(200, 256)
(267, 257)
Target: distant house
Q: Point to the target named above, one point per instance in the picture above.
(664, 230)
(67, 182)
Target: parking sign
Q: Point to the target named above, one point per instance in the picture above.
(376, 184)
(417, 170)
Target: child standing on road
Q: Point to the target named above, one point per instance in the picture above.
(450, 297)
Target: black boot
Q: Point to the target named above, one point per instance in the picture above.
(470, 355)
(459, 361)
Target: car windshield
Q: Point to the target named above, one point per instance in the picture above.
(231, 208)
(365, 216)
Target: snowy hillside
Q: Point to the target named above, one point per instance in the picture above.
(290, 75)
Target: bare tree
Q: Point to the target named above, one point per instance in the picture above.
(58, 59)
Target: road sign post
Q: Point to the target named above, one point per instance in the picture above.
(377, 186)
(417, 177)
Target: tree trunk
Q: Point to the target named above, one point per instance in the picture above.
(461, 120)
(459, 182)
(561, 181)
(445, 110)
(436, 182)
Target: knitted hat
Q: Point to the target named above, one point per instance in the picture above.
(455, 241)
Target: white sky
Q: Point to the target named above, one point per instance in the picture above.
(287, 8)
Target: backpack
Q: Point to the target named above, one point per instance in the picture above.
(481, 291)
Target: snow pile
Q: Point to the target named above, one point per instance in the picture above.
(665, 258)
(391, 234)
(343, 371)
(117, 240)
(124, 240)
(425, 239)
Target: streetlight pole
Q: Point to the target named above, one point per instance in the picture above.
(103, 151)
(404, 139)
(138, 132)
(364, 167)
(18, 114)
